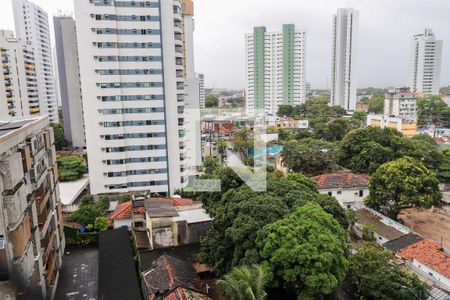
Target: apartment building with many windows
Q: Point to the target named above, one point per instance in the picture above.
(275, 68)
(32, 27)
(400, 102)
(344, 61)
(425, 63)
(31, 232)
(132, 79)
(18, 82)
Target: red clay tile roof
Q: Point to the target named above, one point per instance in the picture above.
(123, 212)
(341, 181)
(430, 254)
(176, 201)
(185, 294)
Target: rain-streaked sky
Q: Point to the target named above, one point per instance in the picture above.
(386, 28)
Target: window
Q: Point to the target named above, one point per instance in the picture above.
(330, 193)
(361, 193)
(339, 192)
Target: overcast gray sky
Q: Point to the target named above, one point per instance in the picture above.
(386, 27)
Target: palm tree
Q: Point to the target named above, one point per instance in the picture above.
(244, 283)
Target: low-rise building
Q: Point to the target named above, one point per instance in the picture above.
(348, 188)
(384, 229)
(171, 221)
(286, 123)
(31, 232)
(429, 259)
(407, 127)
(125, 215)
(400, 103)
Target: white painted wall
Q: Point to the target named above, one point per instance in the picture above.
(350, 198)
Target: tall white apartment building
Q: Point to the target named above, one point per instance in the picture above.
(32, 27)
(192, 125)
(201, 79)
(344, 62)
(18, 83)
(68, 76)
(275, 68)
(132, 80)
(400, 102)
(425, 64)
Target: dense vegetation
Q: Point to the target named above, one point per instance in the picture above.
(71, 168)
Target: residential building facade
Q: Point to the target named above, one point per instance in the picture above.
(132, 79)
(344, 62)
(201, 80)
(192, 139)
(425, 63)
(69, 80)
(31, 232)
(407, 127)
(275, 69)
(400, 102)
(32, 27)
(18, 81)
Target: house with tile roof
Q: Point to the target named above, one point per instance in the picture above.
(125, 214)
(349, 189)
(429, 259)
(172, 278)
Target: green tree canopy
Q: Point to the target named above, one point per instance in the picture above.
(60, 140)
(430, 110)
(305, 252)
(376, 104)
(89, 211)
(374, 277)
(211, 101)
(244, 283)
(71, 168)
(310, 156)
(404, 181)
(364, 150)
(444, 167)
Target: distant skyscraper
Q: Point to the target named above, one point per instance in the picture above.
(425, 65)
(18, 83)
(69, 80)
(344, 58)
(276, 68)
(201, 78)
(132, 79)
(192, 138)
(32, 27)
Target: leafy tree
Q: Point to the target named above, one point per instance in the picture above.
(332, 131)
(210, 164)
(89, 210)
(364, 150)
(244, 283)
(445, 117)
(211, 101)
(444, 167)
(305, 252)
(405, 181)
(429, 110)
(242, 141)
(101, 224)
(124, 198)
(71, 168)
(358, 119)
(60, 140)
(303, 134)
(285, 110)
(374, 277)
(309, 156)
(376, 104)
(285, 135)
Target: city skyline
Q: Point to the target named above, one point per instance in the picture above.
(221, 56)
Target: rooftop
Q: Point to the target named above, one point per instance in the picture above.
(341, 181)
(168, 272)
(187, 252)
(402, 242)
(70, 190)
(115, 253)
(124, 211)
(185, 294)
(191, 216)
(384, 227)
(430, 254)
